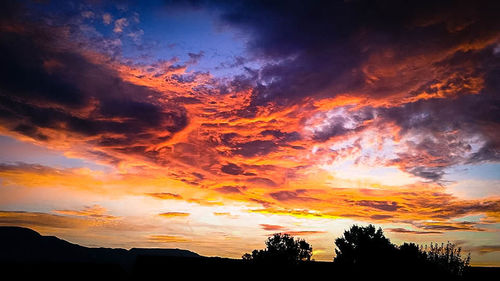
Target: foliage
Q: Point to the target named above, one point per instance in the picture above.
(282, 248)
(362, 246)
(366, 247)
(448, 257)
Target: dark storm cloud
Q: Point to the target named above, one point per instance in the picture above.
(445, 131)
(379, 50)
(47, 85)
(319, 47)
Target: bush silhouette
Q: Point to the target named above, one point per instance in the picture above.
(444, 259)
(281, 248)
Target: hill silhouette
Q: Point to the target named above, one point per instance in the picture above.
(25, 245)
(27, 255)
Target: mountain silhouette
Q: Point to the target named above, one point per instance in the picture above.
(18, 244)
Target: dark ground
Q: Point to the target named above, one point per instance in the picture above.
(26, 255)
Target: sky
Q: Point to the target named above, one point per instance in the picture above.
(210, 125)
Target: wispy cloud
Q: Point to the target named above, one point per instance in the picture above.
(168, 239)
(174, 214)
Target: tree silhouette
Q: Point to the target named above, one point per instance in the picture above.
(363, 246)
(282, 248)
(448, 257)
(367, 248)
(412, 253)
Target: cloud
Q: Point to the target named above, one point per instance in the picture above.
(255, 148)
(380, 205)
(445, 226)
(305, 232)
(62, 91)
(165, 195)
(168, 239)
(258, 181)
(407, 231)
(444, 133)
(174, 214)
(88, 14)
(284, 137)
(194, 58)
(430, 89)
(225, 214)
(120, 24)
(341, 121)
(423, 207)
(40, 220)
(318, 54)
(95, 211)
(232, 169)
(282, 229)
(486, 249)
(230, 189)
(107, 18)
(272, 227)
(264, 203)
(65, 221)
(291, 196)
(294, 213)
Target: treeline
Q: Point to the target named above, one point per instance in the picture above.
(366, 250)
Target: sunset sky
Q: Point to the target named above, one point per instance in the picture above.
(209, 125)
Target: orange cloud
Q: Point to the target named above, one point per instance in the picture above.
(305, 232)
(168, 239)
(38, 220)
(407, 231)
(64, 223)
(282, 229)
(225, 214)
(174, 214)
(165, 195)
(486, 249)
(271, 227)
(94, 211)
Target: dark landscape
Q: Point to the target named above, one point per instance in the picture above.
(27, 254)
